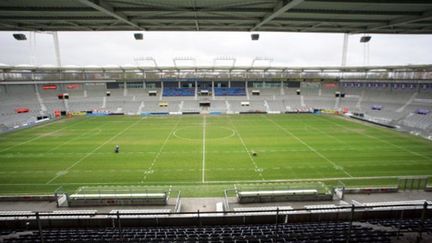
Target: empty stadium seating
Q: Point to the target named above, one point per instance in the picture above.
(306, 232)
(237, 91)
(179, 92)
(405, 224)
(398, 111)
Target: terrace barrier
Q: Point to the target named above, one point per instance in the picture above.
(348, 213)
(26, 198)
(371, 190)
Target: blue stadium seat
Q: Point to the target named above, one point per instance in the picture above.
(179, 92)
(237, 91)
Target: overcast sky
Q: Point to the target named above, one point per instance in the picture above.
(286, 49)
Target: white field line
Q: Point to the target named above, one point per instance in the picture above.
(25, 155)
(91, 152)
(309, 147)
(379, 139)
(217, 182)
(328, 135)
(77, 137)
(247, 150)
(40, 136)
(35, 127)
(160, 151)
(204, 148)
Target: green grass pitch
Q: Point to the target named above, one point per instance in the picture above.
(202, 155)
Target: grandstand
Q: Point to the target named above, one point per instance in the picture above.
(272, 104)
(216, 153)
(371, 97)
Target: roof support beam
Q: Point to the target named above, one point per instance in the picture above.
(78, 27)
(311, 27)
(401, 21)
(13, 26)
(230, 6)
(104, 7)
(385, 2)
(235, 11)
(280, 9)
(196, 16)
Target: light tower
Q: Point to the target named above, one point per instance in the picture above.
(22, 37)
(365, 40)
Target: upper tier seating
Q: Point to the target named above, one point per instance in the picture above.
(179, 92)
(238, 91)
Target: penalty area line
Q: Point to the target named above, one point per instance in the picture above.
(155, 159)
(90, 153)
(41, 136)
(257, 169)
(337, 167)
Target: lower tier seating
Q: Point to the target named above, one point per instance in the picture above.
(307, 232)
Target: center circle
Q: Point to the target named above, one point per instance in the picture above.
(211, 132)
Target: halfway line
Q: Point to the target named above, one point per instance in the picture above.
(204, 149)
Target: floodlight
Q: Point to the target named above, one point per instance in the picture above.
(19, 37)
(138, 36)
(365, 39)
(255, 37)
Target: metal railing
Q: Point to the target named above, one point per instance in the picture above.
(347, 214)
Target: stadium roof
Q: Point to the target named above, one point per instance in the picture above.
(27, 67)
(356, 16)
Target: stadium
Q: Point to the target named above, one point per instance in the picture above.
(222, 152)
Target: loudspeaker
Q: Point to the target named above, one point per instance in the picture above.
(255, 37)
(19, 37)
(365, 39)
(138, 36)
